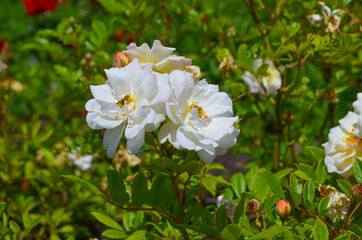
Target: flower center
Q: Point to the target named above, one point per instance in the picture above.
(125, 101)
(201, 111)
(332, 20)
(355, 141)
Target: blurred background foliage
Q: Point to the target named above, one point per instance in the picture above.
(52, 58)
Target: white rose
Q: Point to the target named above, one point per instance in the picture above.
(201, 117)
(331, 19)
(132, 101)
(271, 82)
(159, 57)
(343, 146)
(83, 162)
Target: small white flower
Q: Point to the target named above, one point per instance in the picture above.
(357, 105)
(331, 19)
(158, 56)
(338, 205)
(271, 82)
(83, 162)
(229, 205)
(132, 101)
(344, 146)
(201, 117)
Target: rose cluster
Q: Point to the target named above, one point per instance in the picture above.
(150, 89)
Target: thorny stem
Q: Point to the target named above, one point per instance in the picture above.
(314, 215)
(354, 210)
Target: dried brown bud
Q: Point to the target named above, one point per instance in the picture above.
(356, 192)
(253, 206)
(325, 190)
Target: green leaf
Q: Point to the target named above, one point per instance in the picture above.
(273, 182)
(343, 237)
(355, 228)
(240, 210)
(221, 217)
(308, 195)
(114, 234)
(138, 235)
(294, 28)
(14, 226)
(231, 232)
(2, 207)
(140, 192)
(357, 170)
(161, 187)
(242, 53)
(109, 222)
(282, 173)
(85, 184)
(308, 170)
(322, 207)
(344, 185)
(270, 232)
(316, 152)
(262, 69)
(206, 217)
(116, 185)
(238, 184)
(99, 28)
(321, 171)
(26, 220)
(260, 187)
(320, 230)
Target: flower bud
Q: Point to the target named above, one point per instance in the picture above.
(120, 60)
(325, 190)
(356, 192)
(282, 208)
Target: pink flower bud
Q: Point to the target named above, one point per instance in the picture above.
(120, 60)
(283, 208)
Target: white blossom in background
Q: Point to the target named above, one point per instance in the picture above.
(338, 205)
(201, 117)
(230, 206)
(159, 57)
(272, 81)
(357, 105)
(83, 162)
(344, 146)
(331, 19)
(132, 101)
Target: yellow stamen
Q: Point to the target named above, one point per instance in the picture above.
(355, 141)
(201, 111)
(125, 101)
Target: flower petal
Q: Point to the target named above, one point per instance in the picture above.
(135, 144)
(103, 93)
(111, 139)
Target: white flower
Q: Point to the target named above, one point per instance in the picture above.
(132, 101)
(271, 82)
(357, 105)
(331, 19)
(344, 146)
(201, 117)
(229, 205)
(338, 205)
(158, 56)
(83, 162)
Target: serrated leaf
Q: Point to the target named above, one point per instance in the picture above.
(221, 217)
(273, 182)
(322, 207)
(238, 184)
(343, 237)
(140, 192)
(85, 184)
(308, 195)
(308, 170)
(114, 234)
(99, 28)
(109, 222)
(262, 69)
(230, 232)
(26, 219)
(282, 173)
(355, 228)
(316, 152)
(344, 185)
(270, 232)
(161, 187)
(138, 235)
(321, 171)
(320, 230)
(260, 187)
(117, 187)
(242, 53)
(357, 170)
(240, 210)
(206, 217)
